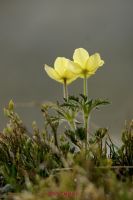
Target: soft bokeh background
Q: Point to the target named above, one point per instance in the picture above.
(34, 32)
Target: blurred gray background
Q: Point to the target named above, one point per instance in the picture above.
(34, 32)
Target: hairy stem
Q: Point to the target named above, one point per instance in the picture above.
(86, 132)
(65, 90)
(85, 85)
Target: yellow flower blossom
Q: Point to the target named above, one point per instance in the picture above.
(85, 65)
(61, 72)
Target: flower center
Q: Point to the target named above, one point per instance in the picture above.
(84, 72)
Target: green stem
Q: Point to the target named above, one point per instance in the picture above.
(65, 90)
(86, 133)
(85, 85)
(85, 118)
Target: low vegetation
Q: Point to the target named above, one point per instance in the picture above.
(55, 163)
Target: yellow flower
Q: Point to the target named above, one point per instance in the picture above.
(85, 65)
(61, 72)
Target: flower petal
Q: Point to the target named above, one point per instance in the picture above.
(94, 62)
(60, 65)
(98, 60)
(68, 81)
(80, 56)
(74, 67)
(52, 73)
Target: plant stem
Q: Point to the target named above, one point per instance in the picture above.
(65, 90)
(85, 85)
(85, 117)
(86, 133)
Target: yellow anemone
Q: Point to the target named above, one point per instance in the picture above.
(61, 72)
(85, 65)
